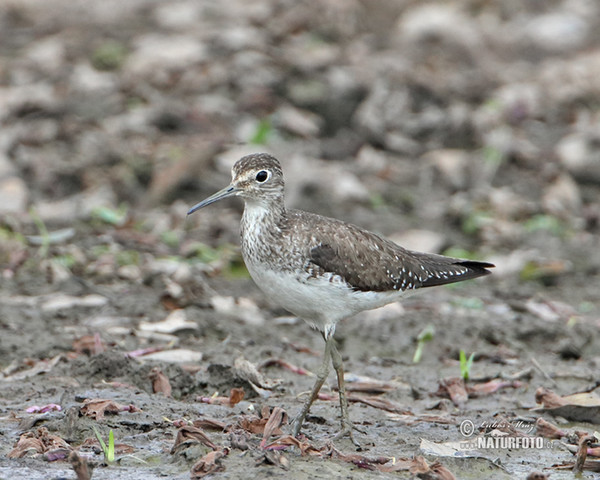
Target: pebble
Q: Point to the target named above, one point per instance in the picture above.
(579, 158)
(560, 31)
(62, 302)
(176, 321)
(14, 196)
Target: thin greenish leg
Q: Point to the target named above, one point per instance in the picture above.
(321, 377)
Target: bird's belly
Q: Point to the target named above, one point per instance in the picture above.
(321, 301)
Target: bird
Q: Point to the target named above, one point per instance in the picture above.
(322, 269)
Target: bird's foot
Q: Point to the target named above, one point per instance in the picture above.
(347, 428)
(296, 425)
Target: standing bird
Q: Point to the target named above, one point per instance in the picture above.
(322, 269)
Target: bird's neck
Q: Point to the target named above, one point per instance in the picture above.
(263, 218)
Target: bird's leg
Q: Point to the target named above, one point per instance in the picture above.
(347, 426)
(321, 377)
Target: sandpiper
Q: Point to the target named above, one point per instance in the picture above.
(322, 269)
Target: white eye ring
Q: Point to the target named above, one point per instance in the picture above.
(263, 176)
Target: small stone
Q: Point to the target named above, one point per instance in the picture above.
(452, 164)
(87, 80)
(370, 158)
(14, 195)
(176, 321)
(177, 355)
(64, 302)
(300, 122)
(156, 56)
(558, 31)
(577, 156)
(47, 55)
(178, 16)
(562, 198)
(129, 272)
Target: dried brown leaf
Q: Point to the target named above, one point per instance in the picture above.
(277, 418)
(305, 447)
(273, 457)
(97, 408)
(38, 442)
(455, 388)
(209, 424)
(209, 463)
(548, 398)
(160, 382)
(249, 372)
(28, 445)
(548, 430)
(378, 402)
(487, 388)
(278, 362)
(438, 472)
(188, 435)
(89, 345)
(236, 395)
(361, 461)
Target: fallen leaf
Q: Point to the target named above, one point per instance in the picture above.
(160, 382)
(97, 408)
(455, 389)
(51, 407)
(248, 371)
(209, 463)
(548, 398)
(305, 447)
(548, 430)
(273, 457)
(487, 388)
(209, 424)
(285, 365)
(89, 345)
(236, 395)
(361, 461)
(37, 367)
(579, 407)
(38, 442)
(187, 435)
(303, 349)
(277, 418)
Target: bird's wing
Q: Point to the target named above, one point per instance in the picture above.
(367, 262)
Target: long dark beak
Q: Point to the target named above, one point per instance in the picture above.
(226, 192)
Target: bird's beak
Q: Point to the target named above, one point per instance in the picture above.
(226, 192)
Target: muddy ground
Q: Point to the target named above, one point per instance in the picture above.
(469, 129)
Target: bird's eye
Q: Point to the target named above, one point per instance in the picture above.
(262, 176)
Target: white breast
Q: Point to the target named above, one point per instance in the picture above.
(321, 301)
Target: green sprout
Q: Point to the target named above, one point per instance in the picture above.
(109, 56)
(112, 216)
(465, 364)
(44, 235)
(425, 336)
(109, 451)
(262, 133)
